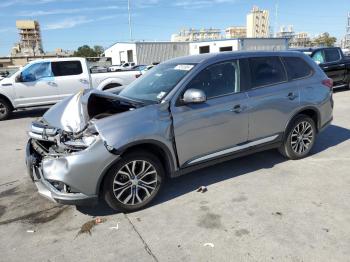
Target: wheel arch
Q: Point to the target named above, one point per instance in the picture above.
(310, 111)
(155, 147)
(109, 81)
(110, 85)
(7, 100)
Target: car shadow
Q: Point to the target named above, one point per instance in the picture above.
(330, 137)
(173, 188)
(28, 113)
(340, 89)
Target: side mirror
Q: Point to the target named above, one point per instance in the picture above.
(18, 78)
(194, 96)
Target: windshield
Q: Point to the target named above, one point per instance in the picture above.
(8, 72)
(156, 83)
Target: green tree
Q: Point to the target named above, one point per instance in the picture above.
(98, 50)
(85, 51)
(324, 40)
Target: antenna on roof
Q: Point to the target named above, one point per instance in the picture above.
(130, 27)
(276, 18)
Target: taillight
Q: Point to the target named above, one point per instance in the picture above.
(138, 75)
(328, 82)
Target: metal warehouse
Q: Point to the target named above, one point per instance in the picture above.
(155, 52)
(146, 52)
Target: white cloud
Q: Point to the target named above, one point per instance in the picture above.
(67, 23)
(9, 3)
(73, 22)
(67, 11)
(201, 3)
(136, 3)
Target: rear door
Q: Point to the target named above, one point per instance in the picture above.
(70, 77)
(272, 99)
(330, 60)
(211, 129)
(36, 86)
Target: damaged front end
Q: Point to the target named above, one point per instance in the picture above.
(66, 156)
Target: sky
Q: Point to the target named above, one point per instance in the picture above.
(69, 24)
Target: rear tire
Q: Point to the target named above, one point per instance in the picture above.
(5, 109)
(133, 182)
(299, 138)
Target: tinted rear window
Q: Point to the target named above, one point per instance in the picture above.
(66, 68)
(296, 67)
(332, 55)
(266, 71)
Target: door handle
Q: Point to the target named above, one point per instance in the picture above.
(237, 109)
(83, 81)
(292, 96)
(51, 83)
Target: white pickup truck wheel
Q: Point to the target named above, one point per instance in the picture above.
(5, 109)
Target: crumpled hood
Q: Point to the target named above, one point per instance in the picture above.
(71, 114)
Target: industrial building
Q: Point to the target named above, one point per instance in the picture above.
(258, 23)
(155, 52)
(30, 39)
(300, 40)
(146, 52)
(286, 31)
(191, 35)
(235, 32)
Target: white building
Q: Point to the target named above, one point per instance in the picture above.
(146, 52)
(241, 44)
(286, 31)
(235, 32)
(151, 52)
(191, 35)
(258, 23)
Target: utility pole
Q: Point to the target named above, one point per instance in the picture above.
(347, 36)
(130, 27)
(276, 18)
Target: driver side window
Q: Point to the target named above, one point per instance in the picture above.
(36, 72)
(217, 80)
(318, 57)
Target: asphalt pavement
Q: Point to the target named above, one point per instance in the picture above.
(257, 208)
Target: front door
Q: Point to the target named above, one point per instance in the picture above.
(211, 129)
(36, 86)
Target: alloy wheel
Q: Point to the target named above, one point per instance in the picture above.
(302, 137)
(135, 182)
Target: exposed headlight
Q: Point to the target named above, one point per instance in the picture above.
(81, 143)
(89, 140)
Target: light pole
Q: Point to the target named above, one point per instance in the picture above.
(130, 27)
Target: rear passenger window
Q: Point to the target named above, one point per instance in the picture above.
(66, 68)
(266, 71)
(296, 67)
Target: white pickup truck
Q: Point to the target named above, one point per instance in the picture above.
(47, 81)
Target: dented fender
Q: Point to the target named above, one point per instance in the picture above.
(151, 124)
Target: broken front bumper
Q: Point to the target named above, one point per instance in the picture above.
(71, 179)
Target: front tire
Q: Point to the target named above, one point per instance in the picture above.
(299, 138)
(5, 109)
(133, 182)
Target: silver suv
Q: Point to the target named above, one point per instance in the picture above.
(184, 114)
